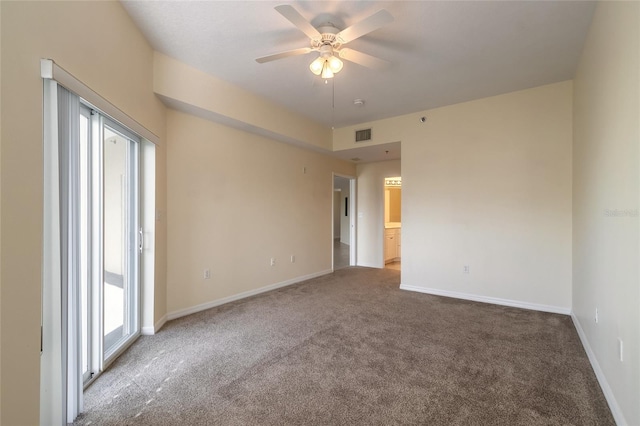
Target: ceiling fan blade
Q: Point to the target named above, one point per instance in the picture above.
(363, 59)
(367, 25)
(275, 57)
(298, 20)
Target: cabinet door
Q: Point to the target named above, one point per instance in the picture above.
(390, 247)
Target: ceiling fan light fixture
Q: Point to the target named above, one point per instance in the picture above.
(317, 65)
(335, 64)
(326, 70)
(328, 41)
(326, 66)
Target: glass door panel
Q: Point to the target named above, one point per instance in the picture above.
(120, 214)
(115, 168)
(108, 241)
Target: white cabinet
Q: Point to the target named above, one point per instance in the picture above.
(391, 244)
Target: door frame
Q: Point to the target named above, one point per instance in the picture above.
(54, 386)
(352, 219)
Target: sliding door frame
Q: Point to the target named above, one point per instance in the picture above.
(133, 242)
(55, 388)
(100, 356)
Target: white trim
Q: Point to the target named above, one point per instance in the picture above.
(52, 71)
(147, 258)
(353, 253)
(188, 311)
(371, 265)
(487, 299)
(52, 404)
(150, 331)
(602, 380)
(353, 193)
(130, 340)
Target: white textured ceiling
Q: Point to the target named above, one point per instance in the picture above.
(442, 52)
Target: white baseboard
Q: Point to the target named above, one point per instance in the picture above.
(150, 331)
(606, 389)
(192, 310)
(370, 265)
(486, 299)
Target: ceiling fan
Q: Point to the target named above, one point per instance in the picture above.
(329, 41)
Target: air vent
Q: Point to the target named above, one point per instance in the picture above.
(363, 135)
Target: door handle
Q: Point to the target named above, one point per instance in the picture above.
(141, 240)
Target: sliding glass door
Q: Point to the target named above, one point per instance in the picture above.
(109, 240)
(91, 247)
(120, 251)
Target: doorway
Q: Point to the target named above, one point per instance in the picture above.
(343, 229)
(392, 222)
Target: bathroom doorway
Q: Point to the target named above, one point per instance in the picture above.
(392, 222)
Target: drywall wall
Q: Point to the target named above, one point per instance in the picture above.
(486, 184)
(98, 43)
(370, 208)
(196, 92)
(236, 200)
(606, 189)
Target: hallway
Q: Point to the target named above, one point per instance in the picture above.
(340, 254)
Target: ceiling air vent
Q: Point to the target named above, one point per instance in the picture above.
(363, 135)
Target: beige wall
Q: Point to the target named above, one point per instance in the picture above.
(209, 97)
(235, 200)
(487, 184)
(98, 43)
(370, 208)
(605, 201)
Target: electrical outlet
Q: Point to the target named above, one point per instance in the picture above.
(293, 259)
(466, 269)
(596, 317)
(207, 274)
(273, 261)
(621, 349)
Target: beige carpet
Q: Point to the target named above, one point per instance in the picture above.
(350, 348)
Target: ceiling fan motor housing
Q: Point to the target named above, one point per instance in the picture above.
(326, 50)
(327, 38)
